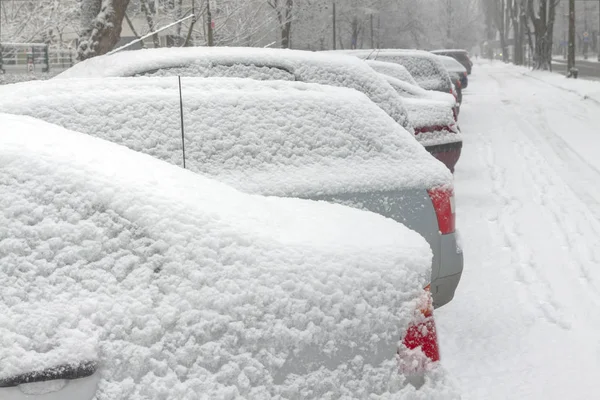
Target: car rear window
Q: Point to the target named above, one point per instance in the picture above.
(252, 71)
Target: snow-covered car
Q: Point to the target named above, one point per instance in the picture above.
(433, 114)
(460, 55)
(276, 138)
(125, 277)
(409, 86)
(424, 66)
(245, 62)
(260, 64)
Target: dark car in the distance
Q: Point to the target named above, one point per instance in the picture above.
(462, 56)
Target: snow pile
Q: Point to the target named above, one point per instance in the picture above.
(183, 288)
(274, 137)
(392, 69)
(305, 66)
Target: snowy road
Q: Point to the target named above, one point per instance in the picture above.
(525, 323)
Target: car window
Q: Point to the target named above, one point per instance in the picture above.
(252, 71)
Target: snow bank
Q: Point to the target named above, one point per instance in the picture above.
(275, 137)
(305, 66)
(181, 287)
(392, 69)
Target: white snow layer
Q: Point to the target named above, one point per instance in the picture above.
(305, 66)
(406, 89)
(392, 69)
(275, 137)
(436, 115)
(183, 288)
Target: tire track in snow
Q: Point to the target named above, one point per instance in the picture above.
(536, 291)
(556, 199)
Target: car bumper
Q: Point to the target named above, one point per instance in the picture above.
(451, 268)
(447, 153)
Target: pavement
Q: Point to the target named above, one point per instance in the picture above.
(588, 69)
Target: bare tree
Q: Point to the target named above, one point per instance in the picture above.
(543, 24)
(102, 21)
(284, 11)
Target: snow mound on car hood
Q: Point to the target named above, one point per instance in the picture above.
(182, 287)
(306, 66)
(273, 138)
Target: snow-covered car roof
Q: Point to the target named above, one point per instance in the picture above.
(305, 66)
(392, 69)
(452, 65)
(424, 66)
(271, 137)
(180, 287)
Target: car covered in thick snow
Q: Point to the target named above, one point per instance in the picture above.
(410, 87)
(424, 67)
(259, 64)
(274, 138)
(433, 114)
(125, 277)
(246, 62)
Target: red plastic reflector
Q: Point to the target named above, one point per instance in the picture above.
(443, 203)
(420, 342)
(424, 335)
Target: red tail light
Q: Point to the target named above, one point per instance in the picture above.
(443, 203)
(420, 342)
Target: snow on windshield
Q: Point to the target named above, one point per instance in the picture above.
(181, 287)
(275, 137)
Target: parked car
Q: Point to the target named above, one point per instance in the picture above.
(403, 82)
(124, 277)
(424, 67)
(456, 70)
(245, 62)
(273, 138)
(435, 121)
(462, 56)
(259, 64)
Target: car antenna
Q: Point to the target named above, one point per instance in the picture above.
(181, 115)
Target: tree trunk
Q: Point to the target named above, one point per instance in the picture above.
(101, 34)
(150, 21)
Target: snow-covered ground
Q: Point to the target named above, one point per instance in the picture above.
(525, 322)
